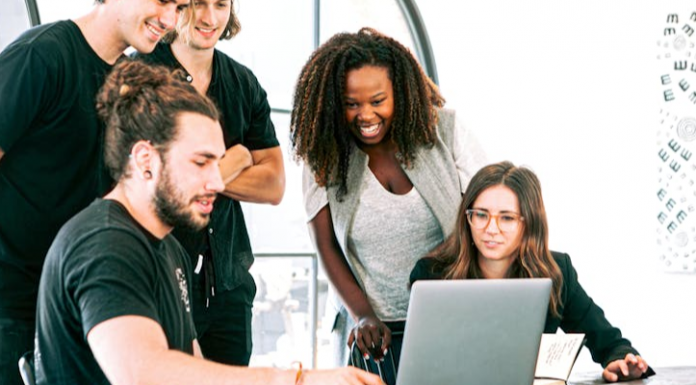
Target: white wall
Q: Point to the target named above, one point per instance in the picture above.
(572, 90)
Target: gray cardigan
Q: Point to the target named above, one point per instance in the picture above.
(439, 173)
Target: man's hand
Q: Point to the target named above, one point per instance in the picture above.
(342, 376)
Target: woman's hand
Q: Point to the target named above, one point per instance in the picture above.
(372, 336)
(629, 368)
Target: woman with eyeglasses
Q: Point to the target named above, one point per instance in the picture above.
(502, 233)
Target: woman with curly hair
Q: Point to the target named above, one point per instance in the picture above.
(502, 232)
(385, 167)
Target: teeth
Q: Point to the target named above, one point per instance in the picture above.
(205, 30)
(153, 30)
(369, 129)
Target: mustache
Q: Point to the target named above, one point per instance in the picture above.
(200, 197)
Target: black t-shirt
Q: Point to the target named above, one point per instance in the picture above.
(51, 136)
(245, 119)
(103, 265)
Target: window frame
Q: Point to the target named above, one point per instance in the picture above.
(33, 12)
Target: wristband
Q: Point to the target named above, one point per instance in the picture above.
(298, 376)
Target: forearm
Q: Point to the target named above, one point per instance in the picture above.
(262, 182)
(237, 159)
(174, 367)
(257, 184)
(351, 294)
(134, 350)
(336, 265)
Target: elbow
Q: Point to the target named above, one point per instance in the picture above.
(278, 192)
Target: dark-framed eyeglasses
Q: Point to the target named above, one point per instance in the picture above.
(506, 221)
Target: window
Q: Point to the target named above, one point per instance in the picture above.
(14, 19)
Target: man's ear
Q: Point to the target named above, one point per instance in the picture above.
(143, 155)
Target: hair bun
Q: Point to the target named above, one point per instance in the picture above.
(129, 81)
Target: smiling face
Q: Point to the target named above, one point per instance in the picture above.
(208, 22)
(190, 176)
(142, 23)
(497, 249)
(369, 103)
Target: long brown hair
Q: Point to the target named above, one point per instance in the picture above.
(188, 17)
(318, 129)
(457, 257)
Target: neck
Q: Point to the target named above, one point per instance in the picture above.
(100, 31)
(385, 148)
(198, 63)
(140, 207)
(494, 269)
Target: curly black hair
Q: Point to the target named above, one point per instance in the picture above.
(319, 131)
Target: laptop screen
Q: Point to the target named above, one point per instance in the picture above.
(484, 331)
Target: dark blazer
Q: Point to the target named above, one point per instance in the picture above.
(579, 314)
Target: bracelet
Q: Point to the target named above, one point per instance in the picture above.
(298, 376)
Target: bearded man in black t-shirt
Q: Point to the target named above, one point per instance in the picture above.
(51, 143)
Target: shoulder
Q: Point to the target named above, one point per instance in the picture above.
(446, 120)
(230, 68)
(104, 222)
(446, 123)
(570, 276)
(446, 117)
(426, 269)
(46, 41)
(565, 264)
(562, 259)
(162, 55)
(55, 32)
(226, 61)
(314, 196)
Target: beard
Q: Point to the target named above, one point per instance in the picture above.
(172, 207)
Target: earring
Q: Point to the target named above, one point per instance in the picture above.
(147, 174)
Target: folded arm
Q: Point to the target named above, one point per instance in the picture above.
(253, 176)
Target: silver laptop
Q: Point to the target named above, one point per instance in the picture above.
(478, 332)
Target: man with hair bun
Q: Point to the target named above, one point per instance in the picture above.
(114, 300)
(223, 288)
(50, 143)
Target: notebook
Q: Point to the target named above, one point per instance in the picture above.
(484, 331)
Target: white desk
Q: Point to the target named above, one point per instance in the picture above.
(677, 375)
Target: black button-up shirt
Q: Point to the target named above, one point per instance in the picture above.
(245, 119)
